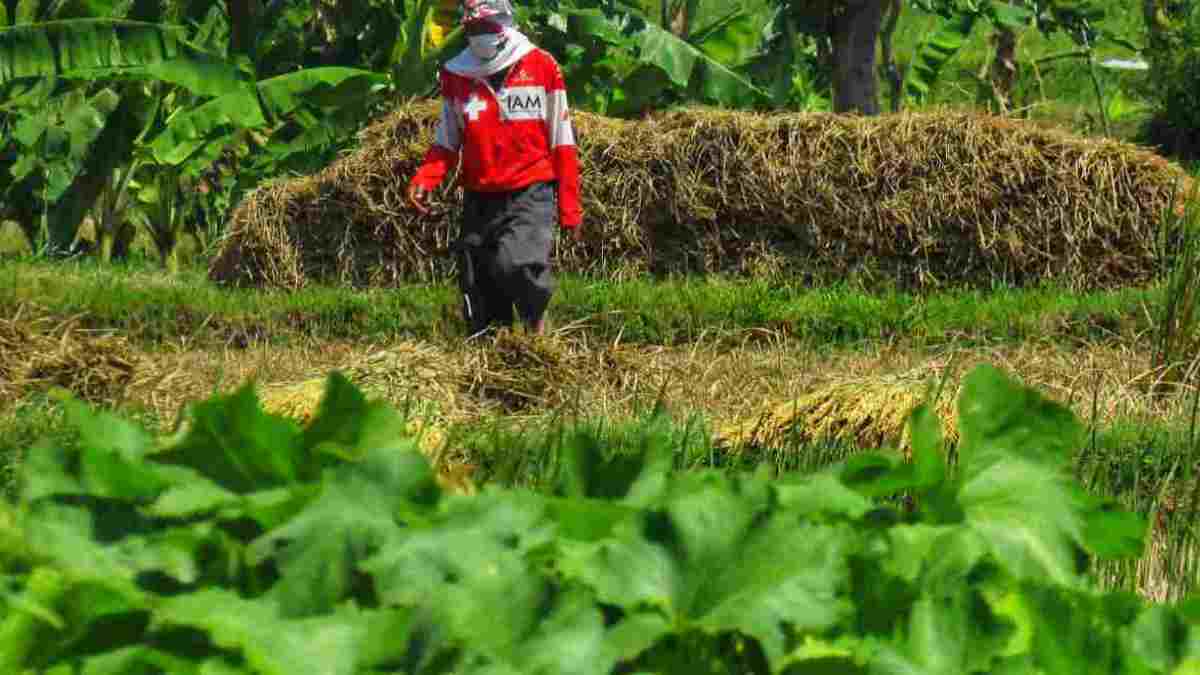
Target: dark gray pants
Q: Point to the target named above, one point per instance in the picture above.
(507, 240)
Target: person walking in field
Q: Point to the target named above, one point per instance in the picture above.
(505, 114)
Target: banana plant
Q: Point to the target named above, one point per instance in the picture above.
(936, 50)
(1081, 20)
(620, 61)
(165, 201)
(225, 99)
(792, 63)
(110, 217)
(52, 146)
(957, 21)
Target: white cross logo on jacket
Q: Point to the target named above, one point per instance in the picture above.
(473, 107)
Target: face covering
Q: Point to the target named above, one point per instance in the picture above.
(485, 47)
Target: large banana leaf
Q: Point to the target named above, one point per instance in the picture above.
(731, 41)
(703, 15)
(262, 104)
(55, 139)
(934, 53)
(112, 148)
(684, 64)
(93, 49)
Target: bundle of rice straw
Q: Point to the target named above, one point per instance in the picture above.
(920, 197)
(867, 413)
(40, 351)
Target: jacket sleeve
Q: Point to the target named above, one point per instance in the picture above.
(565, 154)
(443, 154)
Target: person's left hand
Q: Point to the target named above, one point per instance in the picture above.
(418, 198)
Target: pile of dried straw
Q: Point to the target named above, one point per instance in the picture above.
(38, 350)
(935, 196)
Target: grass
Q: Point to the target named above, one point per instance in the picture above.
(705, 331)
(153, 308)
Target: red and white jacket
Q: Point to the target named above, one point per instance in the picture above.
(511, 139)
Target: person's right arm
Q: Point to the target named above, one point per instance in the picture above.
(442, 155)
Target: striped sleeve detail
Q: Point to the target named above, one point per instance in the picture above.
(558, 110)
(450, 126)
(558, 118)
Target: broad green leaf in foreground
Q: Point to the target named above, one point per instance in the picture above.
(1069, 623)
(237, 445)
(333, 644)
(29, 616)
(952, 630)
(1015, 452)
(103, 430)
(570, 639)
(107, 462)
(998, 504)
(68, 536)
(114, 545)
(356, 513)
(1001, 418)
(348, 426)
(58, 611)
(470, 570)
(475, 573)
(140, 659)
(381, 480)
(721, 557)
(822, 496)
(1110, 531)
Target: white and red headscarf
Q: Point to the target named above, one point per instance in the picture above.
(510, 44)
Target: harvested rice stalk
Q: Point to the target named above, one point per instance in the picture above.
(868, 413)
(38, 351)
(921, 197)
(520, 372)
(404, 373)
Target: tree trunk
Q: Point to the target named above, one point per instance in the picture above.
(855, 33)
(242, 16)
